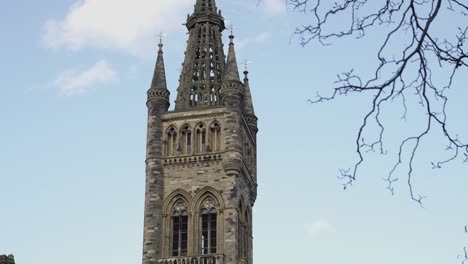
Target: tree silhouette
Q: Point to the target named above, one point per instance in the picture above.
(417, 65)
(422, 57)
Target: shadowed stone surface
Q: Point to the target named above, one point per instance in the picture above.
(4, 259)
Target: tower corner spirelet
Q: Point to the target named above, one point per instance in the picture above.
(158, 94)
(232, 88)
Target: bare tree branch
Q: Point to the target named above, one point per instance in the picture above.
(425, 59)
(413, 17)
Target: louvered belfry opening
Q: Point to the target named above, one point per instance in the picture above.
(203, 67)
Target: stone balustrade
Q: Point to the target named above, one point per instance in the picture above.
(206, 259)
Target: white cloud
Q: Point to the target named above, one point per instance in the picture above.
(275, 7)
(72, 82)
(116, 24)
(261, 38)
(319, 226)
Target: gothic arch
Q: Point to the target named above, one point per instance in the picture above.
(171, 126)
(215, 136)
(205, 193)
(177, 208)
(208, 221)
(215, 122)
(174, 197)
(186, 139)
(201, 133)
(171, 140)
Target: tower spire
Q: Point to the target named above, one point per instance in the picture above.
(248, 109)
(203, 67)
(232, 88)
(248, 104)
(232, 72)
(158, 90)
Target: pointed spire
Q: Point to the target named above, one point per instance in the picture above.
(159, 76)
(232, 72)
(231, 88)
(158, 90)
(204, 63)
(248, 104)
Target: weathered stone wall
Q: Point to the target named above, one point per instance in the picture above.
(4, 259)
(152, 235)
(191, 176)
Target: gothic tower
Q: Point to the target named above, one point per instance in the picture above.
(201, 172)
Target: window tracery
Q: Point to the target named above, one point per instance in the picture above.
(215, 131)
(179, 229)
(200, 137)
(208, 227)
(186, 141)
(171, 146)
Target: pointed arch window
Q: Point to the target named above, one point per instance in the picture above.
(213, 96)
(186, 143)
(171, 141)
(179, 230)
(208, 228)
(193, 94)
(215, 131)
(200, 138)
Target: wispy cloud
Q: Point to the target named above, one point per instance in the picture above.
(259, 39)
(116, 24)
(275, 7)
(319, 226)
(73, 82)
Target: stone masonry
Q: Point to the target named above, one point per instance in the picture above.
(201, 181)
(4, 259)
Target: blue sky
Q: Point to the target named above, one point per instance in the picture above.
(73, 118)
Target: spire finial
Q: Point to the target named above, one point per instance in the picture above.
(246, 64)
(231, 34)
(231, 29)
(161, 37)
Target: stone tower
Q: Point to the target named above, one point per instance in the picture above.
(201, 173)
(4, 259)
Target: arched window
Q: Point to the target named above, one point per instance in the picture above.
(208, 228)
(179, 230)
(215, 131)
(171, 141)
(193, 93)
(200, 138)
(186, 141)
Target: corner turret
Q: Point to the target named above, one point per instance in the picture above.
(248, 109)
(158, 94)
(158, 104)
(232, 88)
